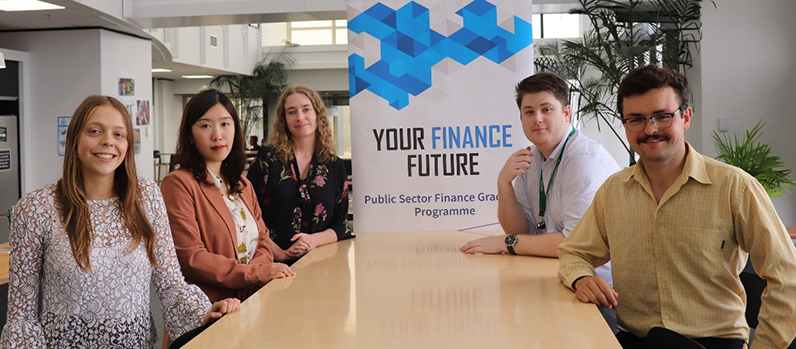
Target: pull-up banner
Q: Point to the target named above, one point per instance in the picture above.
(433, 114)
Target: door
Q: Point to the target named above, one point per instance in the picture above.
(9, 170)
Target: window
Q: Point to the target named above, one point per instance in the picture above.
(339, 120)
(556, 25)
(343, 132)
(326, 32)
(335, 32)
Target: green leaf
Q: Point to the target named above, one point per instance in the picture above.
(251, 94)
(595, 64)
(756, 158)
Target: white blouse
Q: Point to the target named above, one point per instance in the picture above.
(248, 235)
(53, 303)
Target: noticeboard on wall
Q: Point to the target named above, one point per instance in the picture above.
(63, 126)
(5, 159)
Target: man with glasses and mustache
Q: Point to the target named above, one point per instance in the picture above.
(678, 228)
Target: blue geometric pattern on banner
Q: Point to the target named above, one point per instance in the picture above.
(409, 48)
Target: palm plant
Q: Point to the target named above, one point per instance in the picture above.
(756, 159)
(251, 94)
(623, 35)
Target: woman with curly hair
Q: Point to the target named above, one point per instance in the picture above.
(299, 181)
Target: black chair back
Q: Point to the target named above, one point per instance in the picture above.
(754, 287)
(10, 213)
(185, 338)
(663, 338)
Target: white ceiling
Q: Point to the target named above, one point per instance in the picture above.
(130, 16)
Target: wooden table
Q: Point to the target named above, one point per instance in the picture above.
(412, 290)
(4, 265)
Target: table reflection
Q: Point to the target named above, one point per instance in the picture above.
(393, 290)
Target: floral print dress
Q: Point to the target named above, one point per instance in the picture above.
(53, 303)
(292, 205)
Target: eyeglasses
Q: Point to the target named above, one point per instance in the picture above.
(661, 121)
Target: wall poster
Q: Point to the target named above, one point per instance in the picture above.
(5, 159)
(126, 85)
(63, 126)
(433, 110)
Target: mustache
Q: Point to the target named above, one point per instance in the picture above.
(656, 137)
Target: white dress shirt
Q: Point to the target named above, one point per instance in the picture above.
(583, 169)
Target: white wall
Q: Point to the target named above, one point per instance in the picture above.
(747, 74)
(124, 54)
(168, 96)
(238, 46)
(321, 79)
(315, 57)
(186, 44)
(190, 86)
(168, 112)
(600, 132)
(274, 33)
(63, 71)
(65, 67)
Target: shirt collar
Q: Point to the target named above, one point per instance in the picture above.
(694, 167)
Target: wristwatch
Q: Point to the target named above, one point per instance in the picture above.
(511, 241)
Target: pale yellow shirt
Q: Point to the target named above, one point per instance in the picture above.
(676, 264)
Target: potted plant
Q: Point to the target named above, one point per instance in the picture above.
(756, 159)
(623, 35)
(252, 94)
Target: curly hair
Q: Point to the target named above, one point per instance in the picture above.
(280, 138)
(643, 79)
(189, 158)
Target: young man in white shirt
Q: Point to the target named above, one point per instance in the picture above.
(544, 189)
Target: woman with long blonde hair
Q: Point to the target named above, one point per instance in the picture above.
(299, 180)
(85, 249)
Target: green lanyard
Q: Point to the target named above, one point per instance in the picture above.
(542, 192)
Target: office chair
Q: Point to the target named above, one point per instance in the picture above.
(185, 338)
(754, 286)
(10, 213)
(662, 338)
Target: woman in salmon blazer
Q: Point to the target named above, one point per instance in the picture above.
(221, 240)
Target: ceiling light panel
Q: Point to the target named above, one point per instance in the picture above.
(27, 5)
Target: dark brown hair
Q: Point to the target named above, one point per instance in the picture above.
(643, 79)
(543, 82)
(70, 197)
(189, 158)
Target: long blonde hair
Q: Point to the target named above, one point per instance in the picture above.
(70, 197)
(280, 140)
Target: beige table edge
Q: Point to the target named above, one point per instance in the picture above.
(574, 325)
(4, 264)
